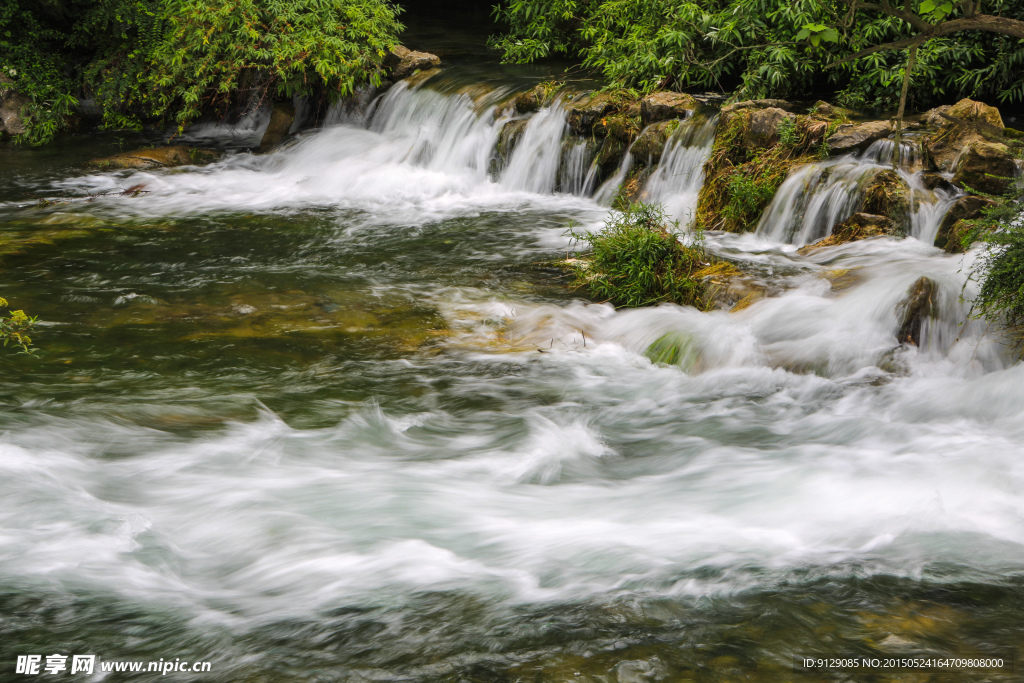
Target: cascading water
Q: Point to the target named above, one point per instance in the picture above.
(677, 180)
(320, 413)
(815, 197)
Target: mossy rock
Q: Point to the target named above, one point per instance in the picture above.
(859, 226)
(650, 144)
(619, 126)
(952, 230)
(986, 167)
(586, 111)
(888, 195)
(663, 106)
(157, 157)
(541, 95)
(509, 136)
(959, 126)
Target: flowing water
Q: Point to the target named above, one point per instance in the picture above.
(325, 414)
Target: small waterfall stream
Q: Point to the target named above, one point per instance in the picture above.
(815, 197)
(677, 180)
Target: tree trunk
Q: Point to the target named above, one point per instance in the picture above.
(903, 105)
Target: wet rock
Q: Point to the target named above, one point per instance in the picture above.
(964, 209)
(937, 181)
(11, 102)
(823, 108)
(533, 99)
(859, 226)
(757, 104)
(985, 166)
(156, 157)
(662, 106)
(761, 128)
(887, 195)
(959, 126)
(282, 116)
(640, 671)
(650, 144)
(856, 137)
(609, 157)
(618, 125)
(508, 137)
(404, 62)
(585, 111)
(915, 309)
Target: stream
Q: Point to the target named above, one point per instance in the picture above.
(330, 414)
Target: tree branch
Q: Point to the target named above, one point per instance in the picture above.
(978, 22)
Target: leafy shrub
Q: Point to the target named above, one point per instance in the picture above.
(14, 327)
(220, 51)
(1000, 268)
(637, 261)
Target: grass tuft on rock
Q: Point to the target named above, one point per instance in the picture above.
(638, 261)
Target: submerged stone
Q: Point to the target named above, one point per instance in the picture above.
(674, 348)
(156, 157)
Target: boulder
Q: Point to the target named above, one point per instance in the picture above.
(859, 226)
(959, 126)
(886, 194)
(404, 62)
(11, 102)
(761, 128)
(963, 209)
(585, 111)
(662, 106)
(915, 309)
(986, 167)
(282, 116)
(856, 137)
(156, 157)
(650, 144)
(823, 108)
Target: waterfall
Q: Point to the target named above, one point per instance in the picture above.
(535, 160)
(677, 180)
(815, 197)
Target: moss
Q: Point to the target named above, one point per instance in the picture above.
(741, 180)
(887, 195)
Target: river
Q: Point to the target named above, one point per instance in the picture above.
(328, 414)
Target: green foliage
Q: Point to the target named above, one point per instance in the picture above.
(1000, 268)
(14, 328)
(143, 60)
(637, 261)
(766, 48)
(218, 51)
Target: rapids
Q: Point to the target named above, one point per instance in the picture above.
(324, 414)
